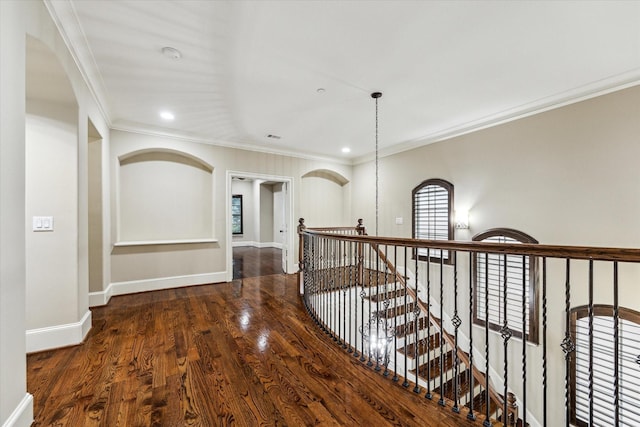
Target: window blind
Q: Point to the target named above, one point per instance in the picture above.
(490, 271)
(604, 370)
(432, 217)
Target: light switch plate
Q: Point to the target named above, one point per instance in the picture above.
(42, 223)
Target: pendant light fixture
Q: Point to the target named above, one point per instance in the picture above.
(376, 96)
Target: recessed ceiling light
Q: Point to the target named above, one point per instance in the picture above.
(272, 136)
(171, 53)
(346, 150)
(321, 90)
(167, 115)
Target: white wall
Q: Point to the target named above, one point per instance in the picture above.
(279, 213)
(16, 407)
(155, 266)
(51, 190)
(266, 214)
(324, 200)
(67, 287)
(164, 196)
(96, 241)
(246, 190)
(567, 176)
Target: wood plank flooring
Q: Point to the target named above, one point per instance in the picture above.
(242, 353)
(253, 262)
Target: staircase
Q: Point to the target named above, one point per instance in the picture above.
(442, 370)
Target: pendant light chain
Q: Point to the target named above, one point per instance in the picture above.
(377, 167)
(376, 95)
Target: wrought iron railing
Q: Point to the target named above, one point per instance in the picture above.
(412, 320)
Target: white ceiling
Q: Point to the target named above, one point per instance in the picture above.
(252, 68)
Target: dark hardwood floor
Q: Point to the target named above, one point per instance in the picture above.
(254, 262)
(241, 353)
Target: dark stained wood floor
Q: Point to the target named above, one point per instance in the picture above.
(254, 262)
(241, 353)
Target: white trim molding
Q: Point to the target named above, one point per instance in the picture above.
(146, 285)
(260, 245)
(59, 335)
(22, 416)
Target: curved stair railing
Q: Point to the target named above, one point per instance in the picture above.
(411, 320)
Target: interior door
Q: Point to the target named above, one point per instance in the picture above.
(284, 232)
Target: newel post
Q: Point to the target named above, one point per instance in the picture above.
(301, 228)
(360, 254)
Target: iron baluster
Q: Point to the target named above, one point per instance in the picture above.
(471, 416)
(441, 337)
(386, 307)
(428, 364)
(406, 320)
(616, 350)
(456, 324)
(524, 342)
(544, 341)
(486, 422)
(349, 266)
(336, 290)
(362, 295)
(567, 344)
(356, 259)
(590, 313)
(395, 319)
(416, 315)
(377, 293)
(370, 264)
(345, 287)
(506, 333)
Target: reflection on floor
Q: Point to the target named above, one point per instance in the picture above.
(254, 262)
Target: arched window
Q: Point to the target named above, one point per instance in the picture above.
(500, 276)
(432, 208)
(606, 370)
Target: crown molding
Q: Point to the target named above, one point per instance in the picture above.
(164, 133)
(66, 21)
(581, 93)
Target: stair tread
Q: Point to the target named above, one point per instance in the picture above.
(431, 369)
(479, 404)
(423, 345)
(448, 391)
(409, 328)
(391, 294)
(396, 311)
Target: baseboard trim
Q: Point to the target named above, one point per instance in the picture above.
(97, 299)
(58, 336)
(145, 285)
(22, 416)
(257, 244)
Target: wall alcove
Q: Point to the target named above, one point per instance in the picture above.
(324, 198)
(164, 196)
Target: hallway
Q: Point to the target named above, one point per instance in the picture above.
(253, 262)
(239, 353)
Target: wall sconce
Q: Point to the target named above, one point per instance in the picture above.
(462, 220)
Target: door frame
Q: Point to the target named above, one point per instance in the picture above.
(289, 244)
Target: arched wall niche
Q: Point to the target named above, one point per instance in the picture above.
(166, 154)
(324, 198)
(327, 174)
(164, 196)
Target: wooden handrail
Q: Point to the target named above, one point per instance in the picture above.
(539, 250)
(380, 246)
